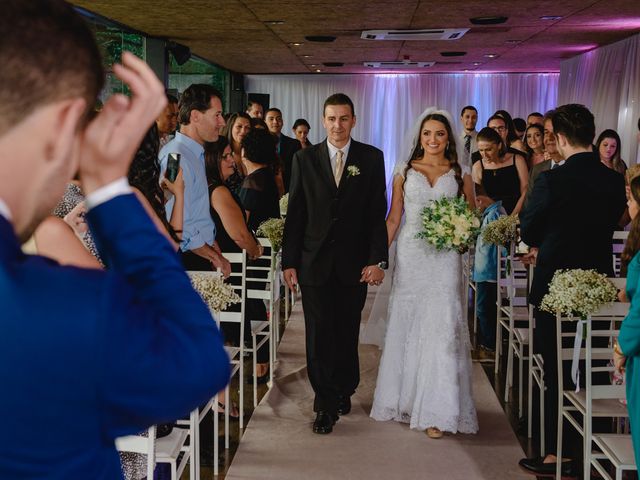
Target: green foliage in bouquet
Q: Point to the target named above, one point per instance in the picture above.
(501, 231)
(215, 293)
(273, 229)
(578, 293)
(449, 224)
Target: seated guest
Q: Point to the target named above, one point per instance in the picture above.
(501, 183)
(520, 126)
(232, 233)
(168, 120)
(237, 127)
(87, 355)
(301, 131)
(255, 110)
(608, 147)
(627, 349)
(533, 143)
(259, 197)
(511, 139)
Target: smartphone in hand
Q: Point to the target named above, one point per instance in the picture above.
(173, 166)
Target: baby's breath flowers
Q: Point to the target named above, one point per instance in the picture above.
(284, 205)
(215, 293)
(501, 231)
(578, 293)
(273, 229)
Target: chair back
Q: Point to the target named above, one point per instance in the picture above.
(143, 445)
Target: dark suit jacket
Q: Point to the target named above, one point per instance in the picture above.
(288, 147)
(329, 227)
(533, 175)
(570, 216)
(90, 355)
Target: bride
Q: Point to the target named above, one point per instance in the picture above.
(424, 377)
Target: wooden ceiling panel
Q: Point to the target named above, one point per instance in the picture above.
(233, 33)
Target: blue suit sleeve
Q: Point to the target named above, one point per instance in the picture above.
(161, 353)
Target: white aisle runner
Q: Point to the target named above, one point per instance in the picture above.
(279, 443)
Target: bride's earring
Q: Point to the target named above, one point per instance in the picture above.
(446, 150)
(420, 150)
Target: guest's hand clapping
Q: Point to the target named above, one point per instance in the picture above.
(112, 138)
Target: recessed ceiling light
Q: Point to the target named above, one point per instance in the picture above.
(551, 17)
(453, 54)
(491, 55)
(307, 56)
(320, 38)
(476, 64)
(489, 20)
(295, 44)
(318, 70)
(273, 22)
(313, 65)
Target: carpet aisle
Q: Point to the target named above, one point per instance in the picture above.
(279, 443)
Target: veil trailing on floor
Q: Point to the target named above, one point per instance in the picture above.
(374, 330)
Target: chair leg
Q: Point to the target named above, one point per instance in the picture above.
(228, 407)
(255, 368)
(508, 383)
(559, 436)
(520, 370)
(542, 432)
(530, 398)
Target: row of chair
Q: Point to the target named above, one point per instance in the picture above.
(259, 280)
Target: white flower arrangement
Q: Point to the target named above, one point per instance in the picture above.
(215, 293)
(502, 231)
(449, 224)
(578, 293)
(284, 205)
(352, 171)
(273, 229)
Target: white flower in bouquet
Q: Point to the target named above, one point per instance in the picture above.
(273, 229)
(449, 224)
(215, 293)
(284, 205)
(501, 231)
(578, 293)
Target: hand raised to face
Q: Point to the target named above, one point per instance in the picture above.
(110, 141)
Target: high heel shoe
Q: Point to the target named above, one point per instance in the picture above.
(233, 413)
(433, 432)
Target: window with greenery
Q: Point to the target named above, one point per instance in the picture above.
(196, 70)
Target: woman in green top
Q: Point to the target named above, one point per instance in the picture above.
(627, 350)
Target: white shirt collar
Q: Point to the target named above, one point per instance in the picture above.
(4, 210)
(560, 163)
(333, 150)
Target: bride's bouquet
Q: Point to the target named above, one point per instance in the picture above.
(578, 293)
(449, 224)
(215, 293)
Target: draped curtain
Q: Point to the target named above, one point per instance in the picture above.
(607, 81)
(387, 105)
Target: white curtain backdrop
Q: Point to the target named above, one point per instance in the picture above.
(607, 81)
(386, 105)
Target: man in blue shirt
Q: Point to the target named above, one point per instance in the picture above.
(200, 116)
(86, 356)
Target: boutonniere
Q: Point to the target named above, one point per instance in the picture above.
(352, 171)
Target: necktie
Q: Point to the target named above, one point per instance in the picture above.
(339, 164)
(467, 145)
(554, 165)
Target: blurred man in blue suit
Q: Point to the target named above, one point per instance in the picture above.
(85, 355)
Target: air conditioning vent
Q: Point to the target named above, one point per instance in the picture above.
(430, 34)
(399, 65)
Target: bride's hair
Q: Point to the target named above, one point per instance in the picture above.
(450, 152)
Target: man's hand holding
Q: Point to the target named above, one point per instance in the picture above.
(291, 278)
(372, 274)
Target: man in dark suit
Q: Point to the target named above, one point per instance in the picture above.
(335, 243)
(570, 217)
(86, 355)
(286, 147)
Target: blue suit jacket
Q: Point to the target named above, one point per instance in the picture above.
(88, 355)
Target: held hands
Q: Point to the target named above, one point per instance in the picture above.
(372, 274)
(110, 141)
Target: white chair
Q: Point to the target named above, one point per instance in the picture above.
(595, 400)
(141, 445)
(264, 277)
(618, 241)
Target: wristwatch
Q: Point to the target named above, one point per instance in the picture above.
(383, 265)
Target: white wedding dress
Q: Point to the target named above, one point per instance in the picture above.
(424, 377)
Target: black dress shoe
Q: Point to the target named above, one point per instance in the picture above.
(536, 466)
(324, 422)
(344, 405)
